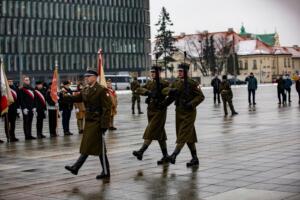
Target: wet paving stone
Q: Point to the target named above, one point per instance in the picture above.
(255, 155)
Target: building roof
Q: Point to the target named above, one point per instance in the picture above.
(295, 51)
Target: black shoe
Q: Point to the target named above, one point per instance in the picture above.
(250, 104)
(141, 113)
(163, 160)
(1, 141)
(254, 103)
(138, 155)
(30, 138)
(133, 112)
(172, 158)
(14, 140)
(112, 128)
(225, 114)
(41, 136)
(193, 162)
(81, 132)
(103, 176)
(279, 103)
(72, 169)
(55, 135)
(68, 133)
(234, 113)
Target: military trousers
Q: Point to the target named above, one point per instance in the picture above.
(27, 124)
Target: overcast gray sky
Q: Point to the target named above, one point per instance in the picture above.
(258, 16)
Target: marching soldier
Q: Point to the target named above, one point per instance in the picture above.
(98, 109)
(227, 95)
(27, 103)
(66, 107)
(135, 97)
(187, 95)
(52, 113)
(41, 108)
(156, 113)
(13, 112)
(215, 83)
(114, 100)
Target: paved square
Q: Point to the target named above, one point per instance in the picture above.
(252, 156)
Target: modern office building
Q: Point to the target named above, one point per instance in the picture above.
(36, 34)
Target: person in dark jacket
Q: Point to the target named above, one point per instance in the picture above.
(52, 113)
(297, 85)
(252, 87)
(227, 95)
(28, 107)
(287, 86)
(215, 83)
(66, 107)
(41, 108)
(280, 90)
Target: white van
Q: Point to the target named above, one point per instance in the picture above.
(143, 80)
(119, 82)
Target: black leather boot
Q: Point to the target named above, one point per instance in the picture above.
(172, 158)
(105, 168)
(77, 165)
(165, 158)
(194, 161)
(139, 154)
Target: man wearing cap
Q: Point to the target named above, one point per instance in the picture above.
(66, 107)
(135, 97)
(52, 113)
(156, 114)
(40, 103)
(187, 95)
(27, 103)
(98, 110)
(227, 95)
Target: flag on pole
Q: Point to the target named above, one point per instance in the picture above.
(6, 97)
(101, 77)
(54, 86)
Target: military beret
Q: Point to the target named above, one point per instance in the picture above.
(153, 68)
(91, 72)
(183, 66)
(38, 82)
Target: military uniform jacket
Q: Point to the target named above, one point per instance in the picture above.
(156, 111)
(134, 85)
(98, 104)
(27, 98)
(40, 103)
(186, 116)
(225, 90)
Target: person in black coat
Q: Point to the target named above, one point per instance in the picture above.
(66, 107)
(280, 90)
(27, 102)
(215, 83)
(52, 113)
(41, 108)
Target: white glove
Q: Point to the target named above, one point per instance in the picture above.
(18, 110)
(34, 112)
(25, 111)
(45, 113)
(76, 110)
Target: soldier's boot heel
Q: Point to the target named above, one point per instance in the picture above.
(163, 160)
(193, 162)
(172, 158)
(75, 168)
(139, 154)
(102, 176)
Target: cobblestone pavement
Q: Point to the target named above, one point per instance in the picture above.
(252, 156)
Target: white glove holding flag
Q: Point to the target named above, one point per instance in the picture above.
(18, 110)
(76, 110)
(25, 111)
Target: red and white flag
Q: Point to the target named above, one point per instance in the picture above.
(54, 86)
(101, 77)
(6, 97)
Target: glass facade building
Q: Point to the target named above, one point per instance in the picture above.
(35, 34)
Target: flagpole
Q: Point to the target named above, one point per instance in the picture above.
(57, 111)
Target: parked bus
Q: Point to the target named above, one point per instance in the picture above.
(119, 82)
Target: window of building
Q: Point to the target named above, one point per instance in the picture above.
(241, 65)
(246, 65)
(254, 64)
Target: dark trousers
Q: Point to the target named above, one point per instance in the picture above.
(288, 92)
(12, 116)
(66, 116)
(52, 117)
(27, 124)
(251, 92)
(281, 93)
(217, 96)
(229, 101)
(299, 95)
(136, 98)
(39, 122)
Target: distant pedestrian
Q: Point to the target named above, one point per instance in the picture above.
(252, 87)
(287, 86)
(41, 108)
(280, 90)
(135, 97)
(52, 113)
(227, 95)
(215, 83)
(66, 107)
(297, 85)
(114, 100)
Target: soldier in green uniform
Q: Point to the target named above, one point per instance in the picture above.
(227, 95)
(156, 113)
(187, 95)
(135, 97)
(98, 109)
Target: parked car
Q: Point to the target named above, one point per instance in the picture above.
(119, 82)
(236, 81)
